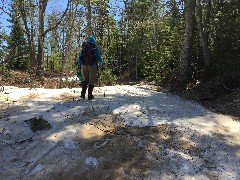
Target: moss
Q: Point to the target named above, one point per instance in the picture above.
(38, 124)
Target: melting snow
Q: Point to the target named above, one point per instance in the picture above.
(91, 162)
(135, 105)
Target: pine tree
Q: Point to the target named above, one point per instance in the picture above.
(1, 44)
(17, 47)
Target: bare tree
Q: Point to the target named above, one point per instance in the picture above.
(69, 26)
(37, 57)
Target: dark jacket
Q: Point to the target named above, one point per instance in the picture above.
(91, 39)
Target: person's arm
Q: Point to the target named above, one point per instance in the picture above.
(98, 56)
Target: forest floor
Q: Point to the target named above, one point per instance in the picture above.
(127, 132)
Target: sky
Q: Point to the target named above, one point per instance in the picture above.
(3, 19)
(53, 5)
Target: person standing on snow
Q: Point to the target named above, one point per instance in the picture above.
(88, 61)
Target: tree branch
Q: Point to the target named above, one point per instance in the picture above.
(57, 23)
(6, 12)
(23, 15)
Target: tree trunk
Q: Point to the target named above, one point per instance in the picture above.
(66, 63)
(30, 35)
(136, 64)
(70, 25)
(40, 57)
(154, 23)
(203, 30)
(187, 42)
(63, 58)
(89, 18)
(101, 23)
(62, 71)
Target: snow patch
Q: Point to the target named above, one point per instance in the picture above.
(37, 169)
(69, 144)
(91, 162)
(136, 106)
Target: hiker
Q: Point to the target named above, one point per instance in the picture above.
(88, 61)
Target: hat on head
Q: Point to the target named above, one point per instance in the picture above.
(92, 39)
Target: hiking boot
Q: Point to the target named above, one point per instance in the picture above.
(90, 97)
(84, 89)
(90, 90)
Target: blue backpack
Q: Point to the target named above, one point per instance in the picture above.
(88, 54)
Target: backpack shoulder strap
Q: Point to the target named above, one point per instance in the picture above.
(84, 45)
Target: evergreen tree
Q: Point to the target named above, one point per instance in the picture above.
(225, 38)
(2, 46)
(17, 47)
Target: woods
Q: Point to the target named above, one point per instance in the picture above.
(165, 42)
(154, 93)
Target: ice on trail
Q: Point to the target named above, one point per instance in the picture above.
(37, 169)
(69, 144)
(91, 162)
